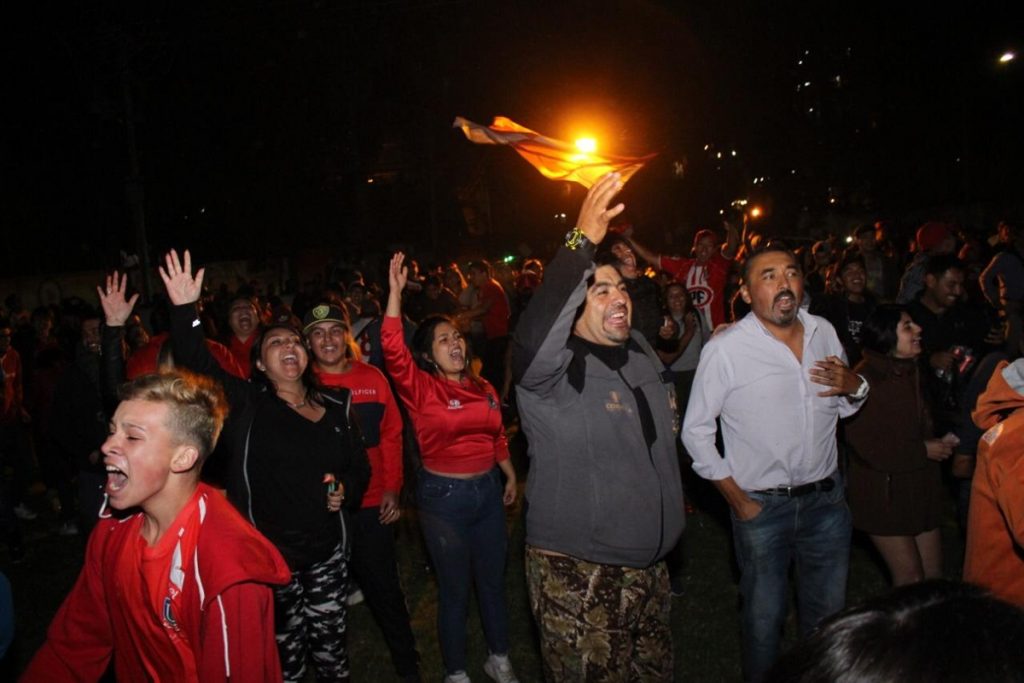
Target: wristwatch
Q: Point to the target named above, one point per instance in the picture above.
(574, 239)
(862, 390)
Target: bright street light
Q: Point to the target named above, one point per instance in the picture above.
(586, 145)
(1007, 57)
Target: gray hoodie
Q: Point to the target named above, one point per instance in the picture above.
(599, 488)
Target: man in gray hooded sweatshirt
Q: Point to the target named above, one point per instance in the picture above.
(604, 499)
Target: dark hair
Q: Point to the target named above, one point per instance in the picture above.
(878, 333)
(936, 630)
(850, 258)
(863, 228)
(480, 266)
(772, 246)
(605, 257)
(686, 294)
(309, 378)
(423, 346)
(940, 263)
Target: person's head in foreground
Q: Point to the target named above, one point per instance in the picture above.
(935, 630)
(163, 429)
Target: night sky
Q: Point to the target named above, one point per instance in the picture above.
(258, 125)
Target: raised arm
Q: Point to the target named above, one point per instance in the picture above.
(398, 277)
(116, 311)
(539, 354)
(989, 281)
(732, 239)
(411, 383)
(646, 254)
(187, 338)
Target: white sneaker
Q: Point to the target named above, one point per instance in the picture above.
(500, 669)
(354, 598)
(22, 511)
(457, 677)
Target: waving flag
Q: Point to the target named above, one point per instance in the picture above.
(555, 159)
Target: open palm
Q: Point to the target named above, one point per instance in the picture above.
(182, 287)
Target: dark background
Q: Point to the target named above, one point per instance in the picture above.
(250, 129)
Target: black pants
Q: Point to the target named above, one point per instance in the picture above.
(493, 358)
(374, 567)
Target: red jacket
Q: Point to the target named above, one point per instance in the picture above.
(13, 391)
(379, 422)
(145, 360)
(458, 426)
(226, 607)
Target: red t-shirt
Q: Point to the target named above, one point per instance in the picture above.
(496, 318)
(151, 583)
(705, 283)
(379, 422)
(458, 424)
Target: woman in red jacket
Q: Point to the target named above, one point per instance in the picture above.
(457, 418)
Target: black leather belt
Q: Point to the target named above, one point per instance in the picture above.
(823, 485)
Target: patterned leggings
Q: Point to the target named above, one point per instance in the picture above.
(311, 620)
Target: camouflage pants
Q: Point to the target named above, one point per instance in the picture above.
(600, 623)
(311, 617)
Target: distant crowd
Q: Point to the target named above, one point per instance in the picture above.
(820, 388)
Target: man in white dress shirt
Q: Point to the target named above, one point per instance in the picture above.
(763, 376)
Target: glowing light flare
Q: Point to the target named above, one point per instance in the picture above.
(586, 145)
(1007, 57)
(755, 212)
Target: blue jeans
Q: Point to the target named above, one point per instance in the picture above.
(463, 522)
(814, 532)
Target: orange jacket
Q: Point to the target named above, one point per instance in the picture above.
(995, 528)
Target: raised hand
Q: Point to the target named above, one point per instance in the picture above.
(398, 276)
(594, 213)
(182, 287)
(116, 309)
(398, 273)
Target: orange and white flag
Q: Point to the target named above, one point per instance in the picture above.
(555, 159)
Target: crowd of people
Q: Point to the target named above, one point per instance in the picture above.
(819, 387)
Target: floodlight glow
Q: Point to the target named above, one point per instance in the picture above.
(586, 145)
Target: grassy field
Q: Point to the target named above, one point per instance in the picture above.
(704, 621)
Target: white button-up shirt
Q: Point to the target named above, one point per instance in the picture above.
(777, 430)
